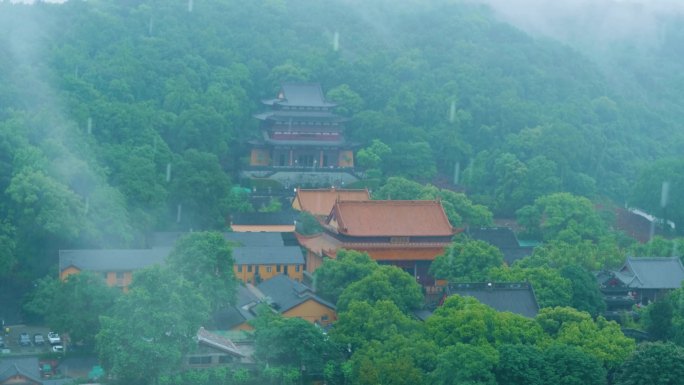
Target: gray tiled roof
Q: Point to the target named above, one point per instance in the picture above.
(168, 239)
(302, 94)
(285, 217)
(255, 239)
(240, 312)
(503, 238)
(286, 293)
(112, 260)
(257, 255)
(516, 298)
(24, 366)
(652, 273)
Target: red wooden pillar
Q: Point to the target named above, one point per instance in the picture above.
(291, 157)
(320, 159)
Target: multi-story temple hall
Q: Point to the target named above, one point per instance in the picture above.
(302, 140)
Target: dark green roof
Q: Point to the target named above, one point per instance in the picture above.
(300, 95)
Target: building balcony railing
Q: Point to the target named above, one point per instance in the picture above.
(267, 171)
(298, 168)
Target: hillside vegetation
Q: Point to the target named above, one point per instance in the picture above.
(114, 114)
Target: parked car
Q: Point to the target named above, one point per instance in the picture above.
(2, 342)
(54, 338)
(38, 339)
(58, 348)
(24, 339)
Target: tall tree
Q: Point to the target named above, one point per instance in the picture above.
(199, 191)
(466, 260)
(569, 365)
(562, 216)
(653, 363)
(151, 327)
(385, 283)
(586, 295)
(73, 306)
(363, 322)
(336, 274)
(205, 260)
(601, 339)
(658, 185)
(293, 343)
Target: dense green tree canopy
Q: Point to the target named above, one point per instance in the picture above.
(466, 260)
(121, 118)
(564, 217)
(601, 339)
(73, 306)
(157, 321)
(653, 363)
(294, 343)
(363, 323)
(336, 274)
(384, 283)
(205, 260)
(657, 190)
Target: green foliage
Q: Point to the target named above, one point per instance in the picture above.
(307, 224)
(156, 322)
(592, 256)
(569, 365)
(657, 319)
(398, 188)
(564, 217)
(400, 359)
(466, 260)
(98, 97)
(653, 363)
(586, 295)
(459, 209)
(73, 306)
(465, 320)
(205, 260)
(209, 376)
(293, 343)
(273, 206)
(603, 340)
(664, 318)
(384, 283)
(201, 188)
(647, 192)
(414, 160)
(336, 274)
(658, 247)
(362, 322)
(7, 247)
(466, 364)
(521, 365)
(349, 101)
(372, 156)
(47, 204)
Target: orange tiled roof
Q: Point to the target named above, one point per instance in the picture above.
(320, 201)
(319, 243)
(390, 218)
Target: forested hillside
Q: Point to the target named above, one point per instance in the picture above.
(114, 114)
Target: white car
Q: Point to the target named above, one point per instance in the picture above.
(54, 338)
(58, 349)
